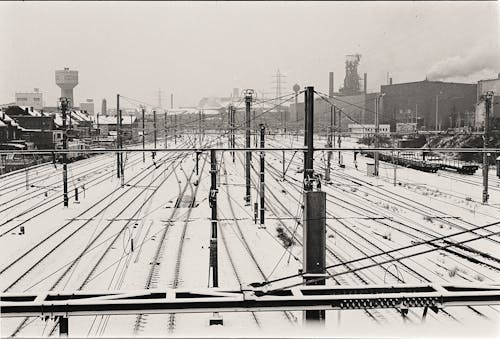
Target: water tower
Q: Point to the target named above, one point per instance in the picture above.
(67, 80)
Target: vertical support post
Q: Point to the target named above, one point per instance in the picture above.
(143, 136)
(154, 128)
(26, 171)
(63, 327)
(309, 137)
(262, 163)
(76, 194)
(437, 112)
(233, 138)
(488, 98)
(314, 246)
(175, 129)
(284, 169)
(375, 156)
(64, 106)
(213, 206)
(329, 144)
(248, 154)
(120, 138)
(197, 161)
(117, 133)
(165, 127)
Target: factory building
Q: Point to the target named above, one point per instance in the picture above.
(484, 86)
(434, 105)
(31, 99)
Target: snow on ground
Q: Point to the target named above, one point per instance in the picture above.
(365, 216)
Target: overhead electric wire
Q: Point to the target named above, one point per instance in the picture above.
(396, 250)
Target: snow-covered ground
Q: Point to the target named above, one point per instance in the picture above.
(87, 246)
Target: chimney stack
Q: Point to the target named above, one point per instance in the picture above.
(390, 81)
(365, 82)
(331, 90)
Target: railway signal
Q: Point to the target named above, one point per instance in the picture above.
(249, 93)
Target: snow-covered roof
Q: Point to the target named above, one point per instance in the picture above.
(5, 117)
(35, 113)
(2, 124)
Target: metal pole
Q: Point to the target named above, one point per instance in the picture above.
(488, 97)
(165, 127)
(314, 246)
(63, 327)
(143, 136)
(377, 101)
(154, 127)
(437, 110)
(117, 142)
(122, 174)
(248, 155)
(64, 105)
(175, 129)
(329, 143)
(262, 159)
(284, 169)
(213, 206)
(309, 156)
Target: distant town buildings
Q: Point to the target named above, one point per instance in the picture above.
(31, 99)
(87, 107)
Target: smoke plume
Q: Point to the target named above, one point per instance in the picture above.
(483, 59)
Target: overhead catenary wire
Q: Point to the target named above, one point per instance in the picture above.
(396, 250)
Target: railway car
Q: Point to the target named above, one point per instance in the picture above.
(13, 161)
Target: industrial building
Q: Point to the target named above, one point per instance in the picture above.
(31, 99)
(484, 86)
(87, 106)
(67, 80)
(434, 105)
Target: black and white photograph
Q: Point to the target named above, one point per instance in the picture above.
(250, 169)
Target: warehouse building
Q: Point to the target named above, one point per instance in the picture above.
(433, 105)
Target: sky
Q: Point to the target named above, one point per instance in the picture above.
(197, 49)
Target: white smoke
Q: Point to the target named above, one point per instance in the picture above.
(477, 62)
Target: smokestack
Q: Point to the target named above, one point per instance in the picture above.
(331, 90)
(390, 81)
(365, 81)
(104, 108)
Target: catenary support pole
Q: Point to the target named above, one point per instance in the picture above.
(375, 155)
(213, 206)
(262, 163)
(331, 137)
(175, 129)
(233, 138)
(154, 127)
(64, 106)
(143, 136)
(117, 133)
(165, 127)
(120, 138)
(309, 130)
(248, 155)
(63, 326)
(488, 98)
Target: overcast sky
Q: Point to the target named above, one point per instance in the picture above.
(197, 49)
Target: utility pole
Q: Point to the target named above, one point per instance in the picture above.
(117, 133)
(231, 129)
(488, 98)
(216, 319)
(377, 140)
(296, 89)
(120, 141)
(314, 223)
(64, 106)
(143, 136)
(329, 144)
(175, 128)
(165, 126)
(248, 103)
(154, 128)
(262, 159)
(437, 112)
(213, 206)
